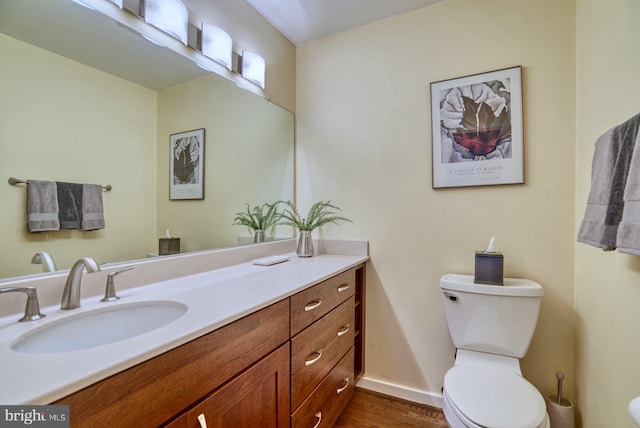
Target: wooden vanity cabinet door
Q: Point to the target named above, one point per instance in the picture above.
(313, 303)
(180, 422)
(316, 350)
(259, 397)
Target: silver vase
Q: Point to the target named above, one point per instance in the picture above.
(305, 244)
(258, 236)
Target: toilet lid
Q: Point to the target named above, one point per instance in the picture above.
(494, 397)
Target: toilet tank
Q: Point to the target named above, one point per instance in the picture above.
(499, 319)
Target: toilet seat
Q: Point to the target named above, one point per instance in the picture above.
(487, 395)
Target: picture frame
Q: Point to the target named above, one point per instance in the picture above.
(186, 165)
(477, 130)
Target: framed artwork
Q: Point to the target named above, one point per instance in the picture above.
(477, 130)
(187, 165)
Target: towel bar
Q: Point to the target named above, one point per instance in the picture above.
(13, 181)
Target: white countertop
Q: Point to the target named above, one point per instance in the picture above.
(214, 299)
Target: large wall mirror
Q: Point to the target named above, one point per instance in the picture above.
(85, 100)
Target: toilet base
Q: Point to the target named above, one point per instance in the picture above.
(456, 420)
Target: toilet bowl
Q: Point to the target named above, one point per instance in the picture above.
(489, 391)
(491, 328)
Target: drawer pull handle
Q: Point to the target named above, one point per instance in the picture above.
(313, 358)
(312, 305)
(339, 390)
(319, 416)
(344, 330)
(202, 420)
(343, 287)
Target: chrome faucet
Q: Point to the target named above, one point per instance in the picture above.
(71, 294)
(44, 258)
(110, 290)
(32, 310)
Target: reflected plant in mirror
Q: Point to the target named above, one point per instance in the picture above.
(260, 220)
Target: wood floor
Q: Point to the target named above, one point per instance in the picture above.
(371, 410)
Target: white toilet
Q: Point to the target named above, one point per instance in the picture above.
(491, 327)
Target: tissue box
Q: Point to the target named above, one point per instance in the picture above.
(169, 246)
(489, 268)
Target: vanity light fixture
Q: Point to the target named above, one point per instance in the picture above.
(217, 45)
(170, 16)
(253, 68)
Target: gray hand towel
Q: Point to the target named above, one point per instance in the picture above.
(69, 205)
(624, 137)
(609, 173)
(42, 206)
(628, 238)
(593, 230)
(92, 210)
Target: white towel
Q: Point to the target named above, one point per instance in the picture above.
(42, 206)
(628, 238)
(92, 211)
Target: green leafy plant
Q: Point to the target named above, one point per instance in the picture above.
(319, 214)
(260, 217)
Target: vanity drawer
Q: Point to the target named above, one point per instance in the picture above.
(323, 407)
(314, 302)
(318, 348)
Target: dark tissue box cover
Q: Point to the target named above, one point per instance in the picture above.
(489, 268)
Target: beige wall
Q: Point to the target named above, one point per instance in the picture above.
(607, 284)
(364, 141)
(63, 121)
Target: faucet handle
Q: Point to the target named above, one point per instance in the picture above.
(110, 291)
(32, 310)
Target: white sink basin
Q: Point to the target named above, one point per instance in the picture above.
(99, 327)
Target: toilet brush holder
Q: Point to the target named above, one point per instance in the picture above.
(561, 411)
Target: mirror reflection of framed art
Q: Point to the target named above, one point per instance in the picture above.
(187, 165)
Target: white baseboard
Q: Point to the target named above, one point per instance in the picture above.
(401, 391)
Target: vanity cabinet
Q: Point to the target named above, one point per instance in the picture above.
(292, 364)
(317, 349)
(258, 397)
(326, 326)
(155, 391)
(329, 398)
